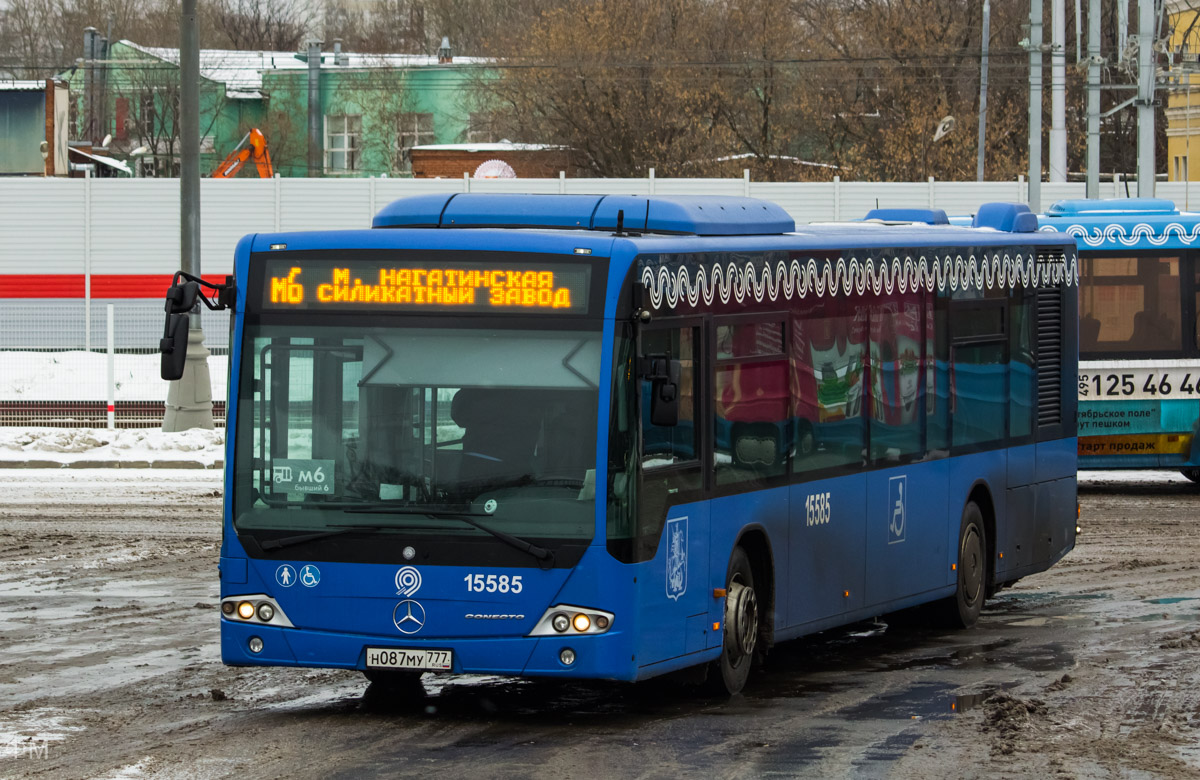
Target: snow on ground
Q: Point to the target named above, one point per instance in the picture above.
(69, 445)
(1133, 477)
(83, 376)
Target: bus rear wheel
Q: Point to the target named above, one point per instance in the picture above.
(963, 608)
(1192, 474)
(741, 625)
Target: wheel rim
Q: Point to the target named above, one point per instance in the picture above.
(972, 564)
(741, 622)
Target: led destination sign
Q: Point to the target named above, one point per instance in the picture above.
(417, 286)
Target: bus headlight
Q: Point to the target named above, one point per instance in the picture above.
(563, 619)
(258, 608)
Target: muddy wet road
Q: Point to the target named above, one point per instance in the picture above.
(109, 667)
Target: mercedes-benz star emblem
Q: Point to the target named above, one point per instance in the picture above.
(409, 616)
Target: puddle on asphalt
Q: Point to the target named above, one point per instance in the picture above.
(1172, 600)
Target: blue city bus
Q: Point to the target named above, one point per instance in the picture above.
(1139, 370)
(613, 437)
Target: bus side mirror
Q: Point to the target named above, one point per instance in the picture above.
(181, 298)
(173, 346)
(664, 395)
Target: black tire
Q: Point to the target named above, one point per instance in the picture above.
(1192, 474)
(963, 608)
(742, 626)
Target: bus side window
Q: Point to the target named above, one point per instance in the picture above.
(667, 445)
(1021, 373)
(896, 377)
(752, 428)
(671, 472)
(827, 353)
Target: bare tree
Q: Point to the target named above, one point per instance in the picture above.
(277, 25)
(626, 84)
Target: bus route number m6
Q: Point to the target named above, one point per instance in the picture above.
(302, 476)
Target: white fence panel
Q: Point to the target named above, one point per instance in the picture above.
(806, 202)
(1053, 192)
(1186, 196)
(859, 197)
(536, 186)
(608, 186)
(699, 187)
(963, 198)
(42, 226)
(325, 204)
(229, 210)
(135, 226)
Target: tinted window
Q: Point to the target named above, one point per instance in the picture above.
(980, 405)
(828, 355)
(1129, 304)
(895, 377)
(753, 431)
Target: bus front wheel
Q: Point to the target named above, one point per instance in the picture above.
(1192, 474)
(963, 608)
(741, 625)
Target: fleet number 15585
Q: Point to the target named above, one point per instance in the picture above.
(491, 583)
(818, 507)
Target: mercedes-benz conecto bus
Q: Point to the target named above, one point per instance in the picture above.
(613, 437)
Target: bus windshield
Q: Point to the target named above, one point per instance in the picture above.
(339, 426)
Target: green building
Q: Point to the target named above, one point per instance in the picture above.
(373, 107)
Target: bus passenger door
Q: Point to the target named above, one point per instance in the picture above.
(673, 530)
(826, 571)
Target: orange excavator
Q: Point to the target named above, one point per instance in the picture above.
(252, 146)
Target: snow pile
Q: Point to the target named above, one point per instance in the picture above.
(67, 445)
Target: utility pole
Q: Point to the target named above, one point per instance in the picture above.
(189, 399)
(1145, 99)
(1093, 100)
(89, 84)
(1058, 91)
(315, 152)
(1035, 105)
(983, 86)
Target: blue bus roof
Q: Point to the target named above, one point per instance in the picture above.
(1120, 224)
(696, 215)
(586, 223)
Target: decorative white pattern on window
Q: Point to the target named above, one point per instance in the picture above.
(1151, 235)
(671, 284)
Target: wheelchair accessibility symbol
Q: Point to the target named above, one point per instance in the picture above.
(897, 508)
(309, 576)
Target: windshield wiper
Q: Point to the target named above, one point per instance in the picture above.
(543, 555)
(288, 541)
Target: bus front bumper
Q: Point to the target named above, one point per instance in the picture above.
(601, 656)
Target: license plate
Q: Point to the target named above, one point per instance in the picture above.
(393, 658)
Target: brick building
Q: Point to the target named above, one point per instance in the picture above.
(522, 161)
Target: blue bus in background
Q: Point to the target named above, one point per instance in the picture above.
(1139, 349)
(614, 437)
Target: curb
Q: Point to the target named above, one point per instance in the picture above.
(110, 464)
